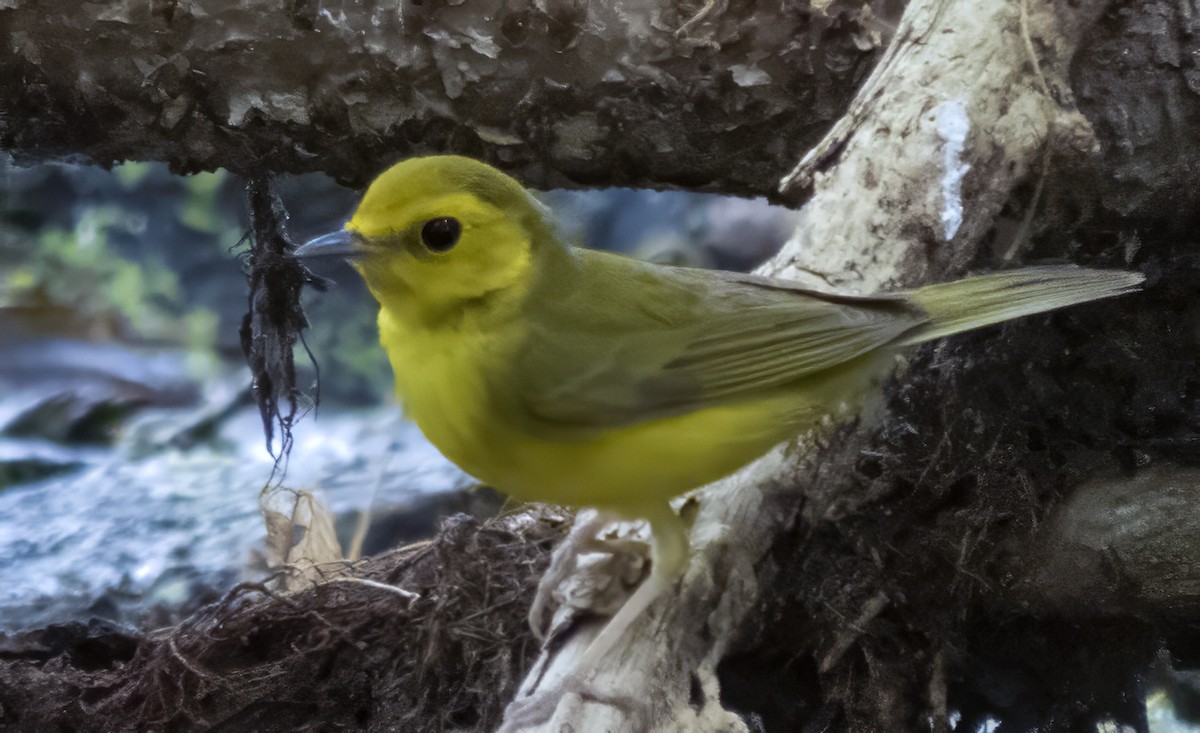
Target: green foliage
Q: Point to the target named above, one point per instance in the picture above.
(80, 271)
(199, 208)
(144, 255)
(129, 175)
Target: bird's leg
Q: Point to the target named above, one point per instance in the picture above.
(582, 538)
(669, 559)
(669, 548)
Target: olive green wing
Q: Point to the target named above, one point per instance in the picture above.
(633, 342)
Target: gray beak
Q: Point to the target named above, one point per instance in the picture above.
(335, 244)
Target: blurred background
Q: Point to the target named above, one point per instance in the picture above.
(131, 455)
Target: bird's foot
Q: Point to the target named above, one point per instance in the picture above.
(561, 586)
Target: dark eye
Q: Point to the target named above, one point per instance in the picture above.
(441, 234)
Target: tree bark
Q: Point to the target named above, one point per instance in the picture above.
(560, 93)
(970, 103)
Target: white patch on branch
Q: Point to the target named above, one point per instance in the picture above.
(952, 127)
(339, 22)
(749, 75)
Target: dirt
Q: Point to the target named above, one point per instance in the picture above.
(338, 656)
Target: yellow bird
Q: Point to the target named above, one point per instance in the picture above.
(585, 378)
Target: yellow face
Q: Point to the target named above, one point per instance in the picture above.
(441, 231)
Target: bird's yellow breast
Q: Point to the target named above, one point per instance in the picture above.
(442, 380)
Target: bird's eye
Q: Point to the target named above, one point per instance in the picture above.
(441, 234)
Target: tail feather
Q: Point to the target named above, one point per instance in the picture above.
(980, 301)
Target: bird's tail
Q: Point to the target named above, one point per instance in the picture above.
(980, 301)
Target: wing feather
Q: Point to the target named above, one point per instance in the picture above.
(686, 340)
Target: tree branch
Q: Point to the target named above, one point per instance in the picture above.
(904, 189)
(560, 93)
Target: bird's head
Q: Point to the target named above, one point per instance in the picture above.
(438, 232)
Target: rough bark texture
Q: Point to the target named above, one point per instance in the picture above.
(1008, 538)
(920, 576)
(563, 92)
(1012, 532)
